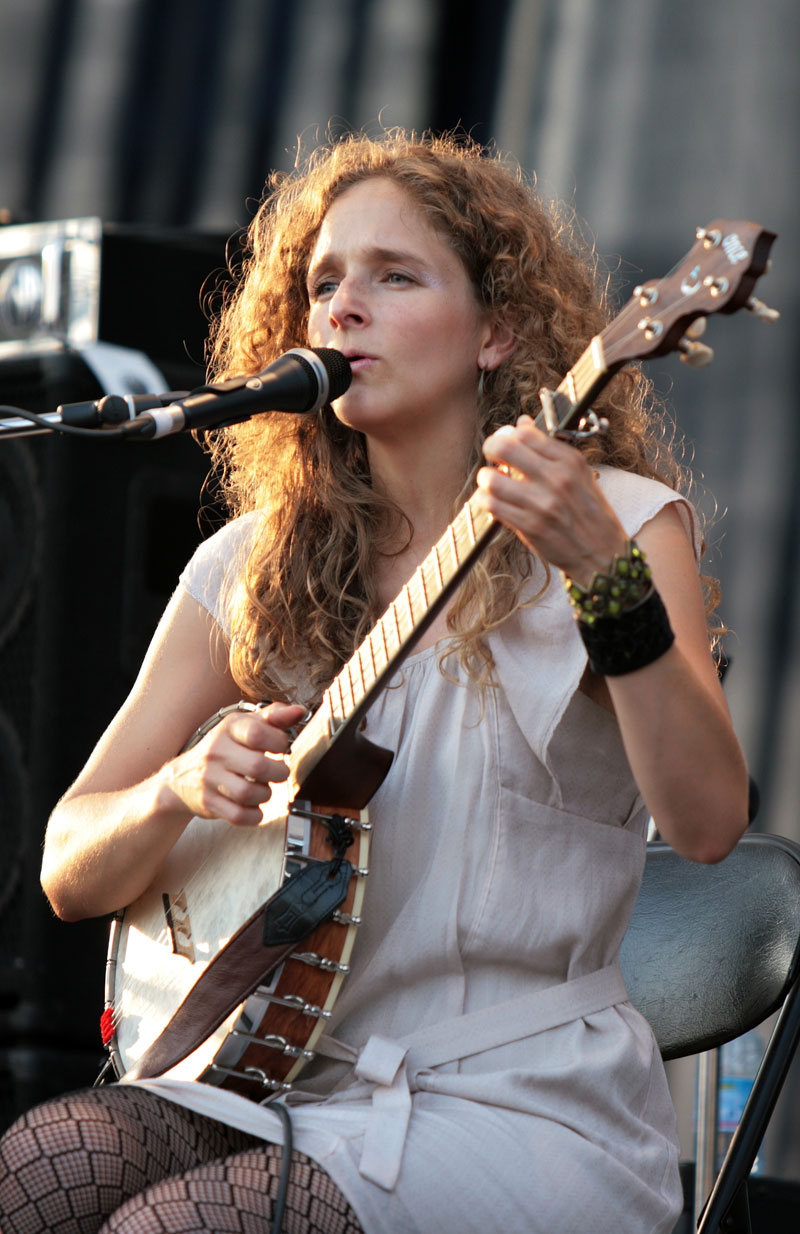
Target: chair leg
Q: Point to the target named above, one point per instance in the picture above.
(735, 1220)
(730, 1189)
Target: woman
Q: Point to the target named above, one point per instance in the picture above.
(509, 830)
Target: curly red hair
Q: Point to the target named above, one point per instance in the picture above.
(310, 596)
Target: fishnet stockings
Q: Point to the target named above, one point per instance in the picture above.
(120, 1160)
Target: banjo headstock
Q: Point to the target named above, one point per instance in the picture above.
(716, 276)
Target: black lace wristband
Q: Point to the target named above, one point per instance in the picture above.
(637, 637)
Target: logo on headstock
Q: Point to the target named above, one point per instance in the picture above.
(734, 249)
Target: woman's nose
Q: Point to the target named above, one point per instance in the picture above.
(348, 304)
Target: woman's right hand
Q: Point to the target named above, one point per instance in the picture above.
(228, 774)
(130, 804)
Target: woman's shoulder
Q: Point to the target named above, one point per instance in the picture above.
(636, 499)
(218, 563)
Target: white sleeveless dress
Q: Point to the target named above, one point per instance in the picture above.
(483, 1069)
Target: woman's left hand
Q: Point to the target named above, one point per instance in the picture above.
(545, 491)
(672, 714)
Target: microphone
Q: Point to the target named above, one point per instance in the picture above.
(303, 379)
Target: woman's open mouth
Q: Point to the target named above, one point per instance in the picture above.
(359, 360)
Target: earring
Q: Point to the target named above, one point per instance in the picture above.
(480, 384)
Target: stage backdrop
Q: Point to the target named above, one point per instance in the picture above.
(650, 118)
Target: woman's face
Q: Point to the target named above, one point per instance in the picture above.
(388, 291)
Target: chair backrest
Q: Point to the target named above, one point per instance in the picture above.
(712, 950)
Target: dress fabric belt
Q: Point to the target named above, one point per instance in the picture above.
(392, 1068)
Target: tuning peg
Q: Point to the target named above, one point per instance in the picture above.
(759, 309)
(696, 355)
(710, 238)
(697, 328)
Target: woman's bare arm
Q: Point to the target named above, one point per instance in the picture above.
(113, 828)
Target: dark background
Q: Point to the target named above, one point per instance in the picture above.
(163, 120)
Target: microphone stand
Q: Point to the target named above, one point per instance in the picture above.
(16, 426)
(112, 411)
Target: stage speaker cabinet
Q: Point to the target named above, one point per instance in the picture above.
(93, 535)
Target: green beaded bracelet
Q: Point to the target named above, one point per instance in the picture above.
(628, 582)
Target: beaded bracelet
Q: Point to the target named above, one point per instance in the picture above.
(621, 617)
(627, 583)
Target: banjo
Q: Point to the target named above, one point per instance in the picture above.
(228, 967)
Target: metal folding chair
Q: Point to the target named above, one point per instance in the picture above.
(710, 953)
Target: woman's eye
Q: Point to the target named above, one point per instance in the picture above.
(325, 287)
(397, 278)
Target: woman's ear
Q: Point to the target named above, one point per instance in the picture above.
(497, 345)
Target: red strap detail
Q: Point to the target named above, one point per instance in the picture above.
(107, 1025)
